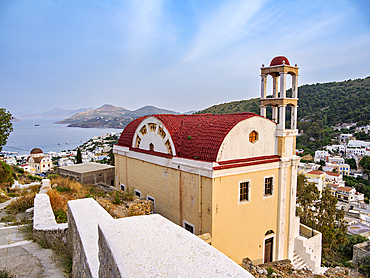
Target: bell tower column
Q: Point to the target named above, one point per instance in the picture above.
(287, 227)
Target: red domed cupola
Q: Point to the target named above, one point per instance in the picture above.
(279, 60)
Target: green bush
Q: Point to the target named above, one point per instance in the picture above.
(63, 189)
(5, 274)
(116, 199)
(13, 195)
(53, 176)
(60, 216)
(34, 178)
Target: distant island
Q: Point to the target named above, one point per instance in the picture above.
(111, 116)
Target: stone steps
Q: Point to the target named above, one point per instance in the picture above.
(298, 262)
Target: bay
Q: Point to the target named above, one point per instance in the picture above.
(46, 136)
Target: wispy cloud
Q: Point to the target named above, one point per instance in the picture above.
(225, 26)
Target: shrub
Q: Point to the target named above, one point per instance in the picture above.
(53, 176)
(116, 199)
(57, 201)
(34, 178)
(66, 184)
(22, 203)
(60, 216)
(13, 195)
(129, 195)
(5, 274)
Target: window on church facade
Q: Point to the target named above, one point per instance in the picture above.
(188, 226)
(253, 136)
(268, 186)
(152, 127)
(244, 191)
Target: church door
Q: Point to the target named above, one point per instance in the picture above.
(269, 243)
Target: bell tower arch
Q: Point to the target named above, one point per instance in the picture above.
(279, 69)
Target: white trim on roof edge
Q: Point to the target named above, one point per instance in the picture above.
(202, 168)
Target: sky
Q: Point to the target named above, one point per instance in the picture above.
(177, 55)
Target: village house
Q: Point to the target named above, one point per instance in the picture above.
(233, 176)
(38, 162)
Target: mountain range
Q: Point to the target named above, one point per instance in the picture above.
(110, 116)
(56, 113)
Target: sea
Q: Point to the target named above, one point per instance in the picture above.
(42, 133)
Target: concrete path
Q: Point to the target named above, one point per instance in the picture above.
(23, 258)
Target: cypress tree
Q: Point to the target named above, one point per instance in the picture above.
(79, 156)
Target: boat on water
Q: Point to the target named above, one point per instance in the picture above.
(59, 143)
(67, 143)
(37, 124)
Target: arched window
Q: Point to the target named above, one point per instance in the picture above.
(151, 147)
(269, 232)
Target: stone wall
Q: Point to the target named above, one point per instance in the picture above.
(139, 246)
(83, 218)
(108, 266)
(45, 228)
(360, 251)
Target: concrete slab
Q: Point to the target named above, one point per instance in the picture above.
(86, 167)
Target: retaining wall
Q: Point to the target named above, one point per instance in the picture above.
(360, 251)
(44, 225)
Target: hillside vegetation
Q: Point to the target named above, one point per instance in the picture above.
(333, 103)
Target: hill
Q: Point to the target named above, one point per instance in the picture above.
(111, 116)
(333, 103)
(56, 113)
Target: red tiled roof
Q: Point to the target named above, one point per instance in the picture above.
(316, 172)
(194, 136)
(332, 174)
(345, 188)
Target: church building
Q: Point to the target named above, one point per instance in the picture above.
(233, 176)
(38, 162)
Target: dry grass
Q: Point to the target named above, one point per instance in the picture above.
(66, 185)
(22, 203)
(57, 200)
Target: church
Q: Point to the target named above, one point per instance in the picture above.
(233, 176)
(38, 162)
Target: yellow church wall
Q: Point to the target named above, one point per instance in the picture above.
(176, 193)
(238, 228)
(287, 213)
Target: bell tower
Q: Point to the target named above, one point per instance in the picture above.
(279, 69)
(288, 223)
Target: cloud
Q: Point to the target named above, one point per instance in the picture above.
(223, 27)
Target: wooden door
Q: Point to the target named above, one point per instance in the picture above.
(269, 243)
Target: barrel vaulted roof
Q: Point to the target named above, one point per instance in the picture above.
(196, 136)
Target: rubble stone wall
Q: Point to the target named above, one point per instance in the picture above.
(80, 266)
(359, 251)
(108, 266)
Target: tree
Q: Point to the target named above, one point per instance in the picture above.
(78, 156)
(352, 163)
(320, 213)
(307, 193)
(365, 163)
(330, 221)
(6, 174)
(111, 157)
(6, 126)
